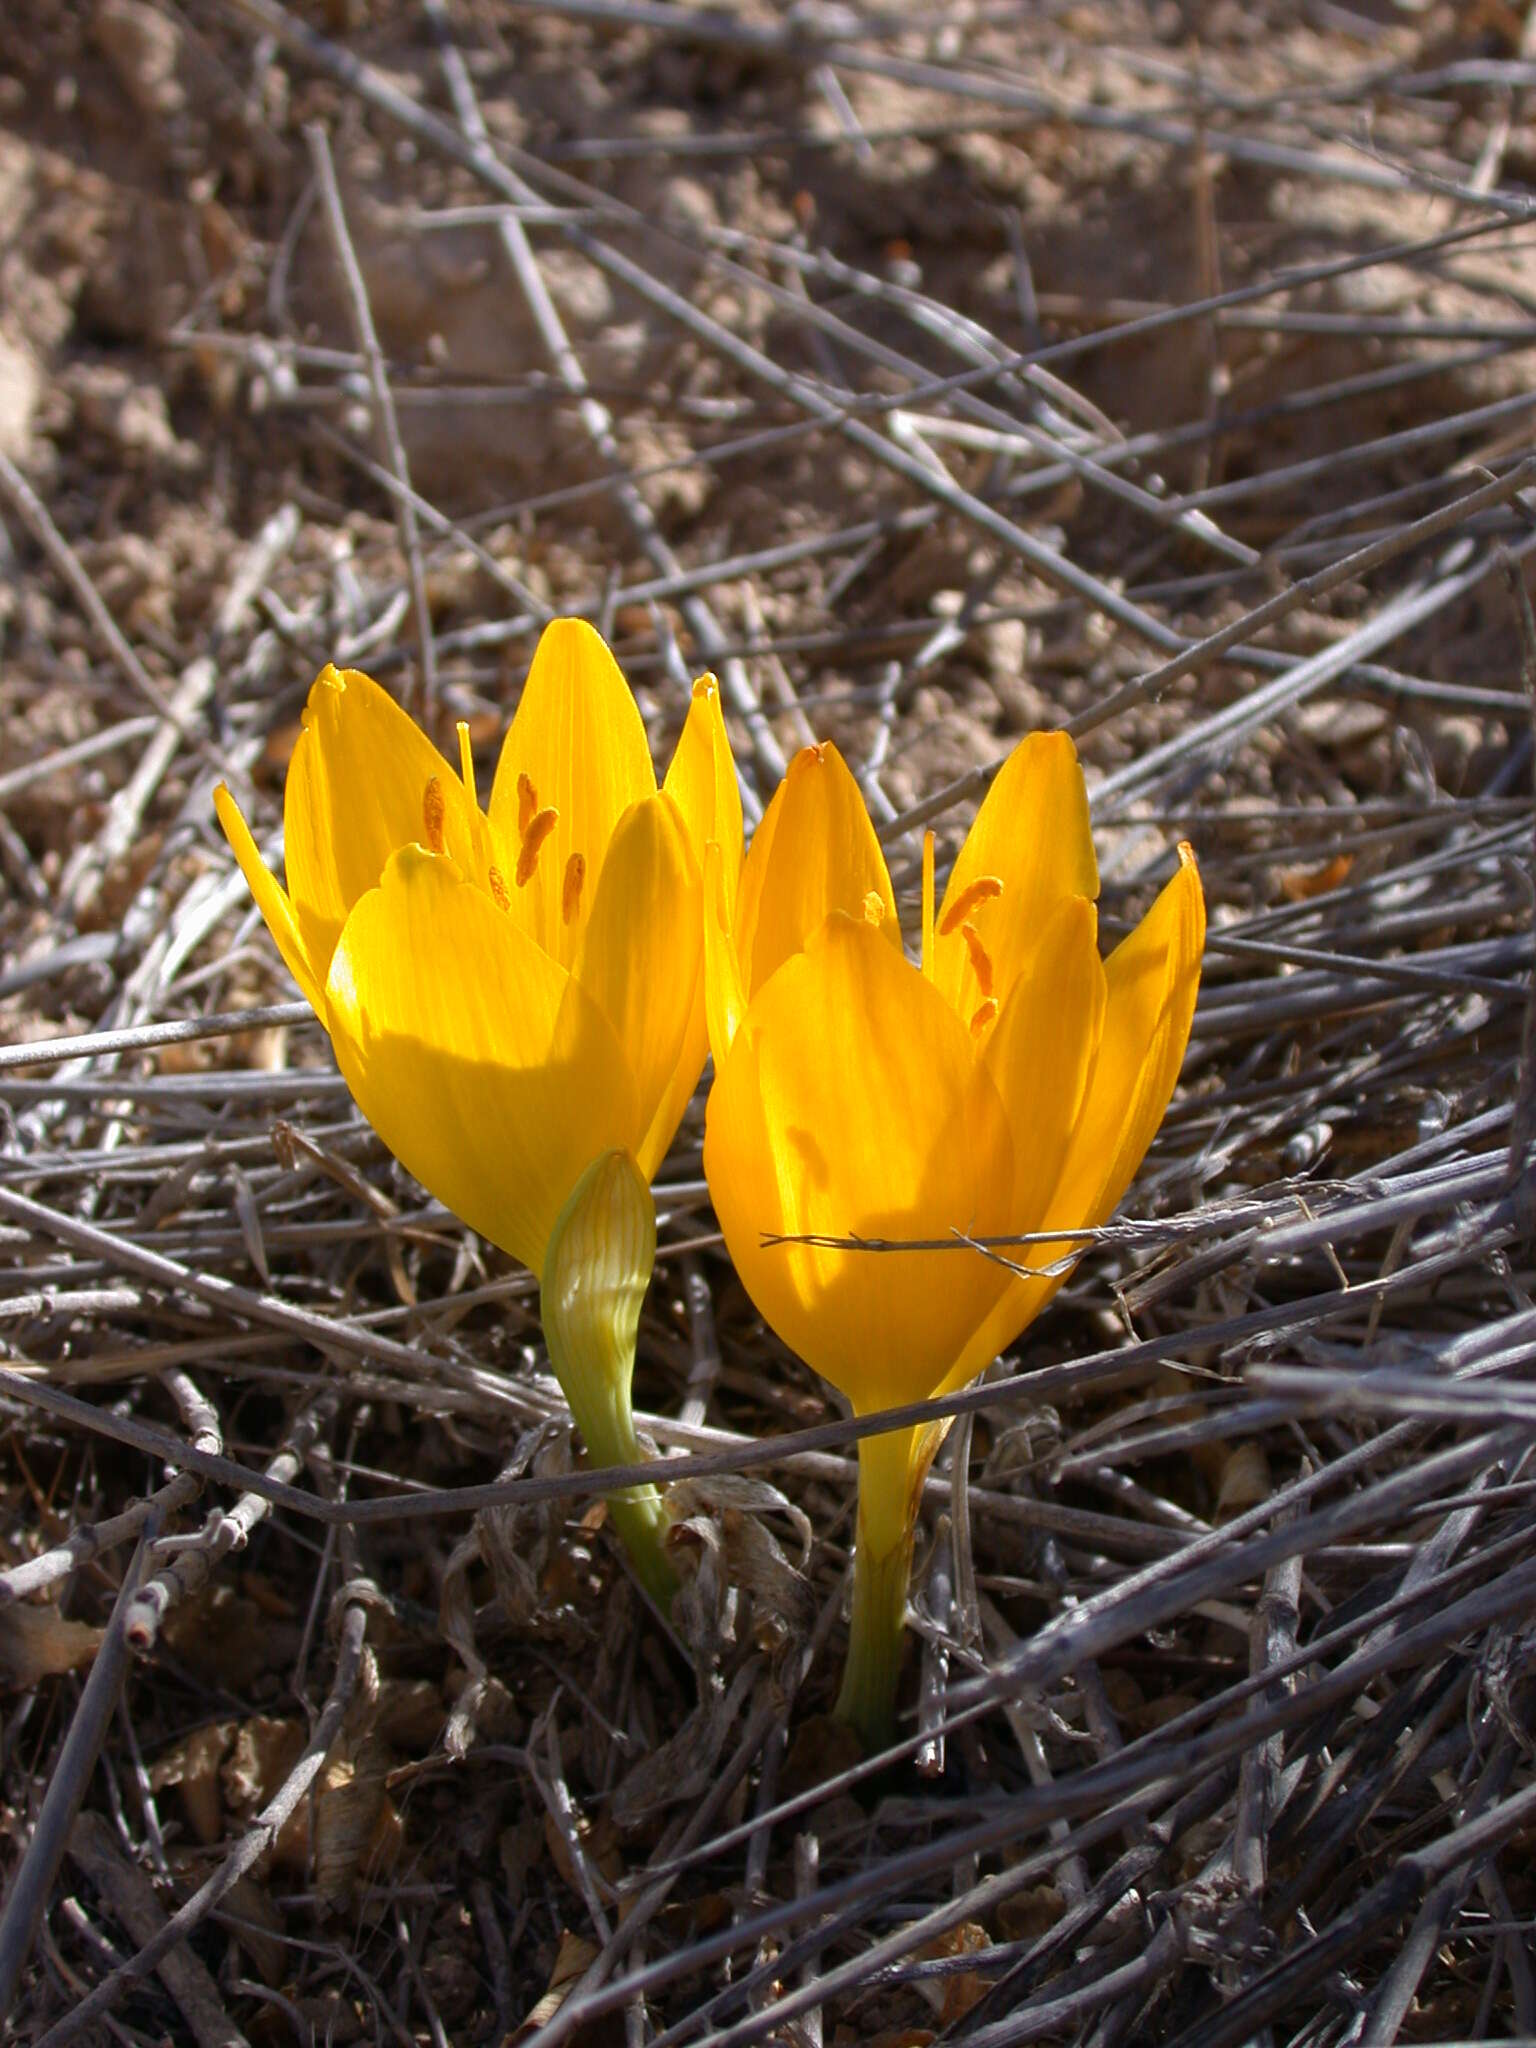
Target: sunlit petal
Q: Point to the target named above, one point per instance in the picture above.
(1032, 835)
(1042, 1049)
(641, 961)
(354, 795)
(852, 1103)
(725, 995)
(489, 1073)
(577, 743)
(702, 783)
(1153, 977)
(814, 852)
(1151, 981)
(1042, 1056)
(271, 898)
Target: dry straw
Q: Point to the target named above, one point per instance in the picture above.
(1217, 1726)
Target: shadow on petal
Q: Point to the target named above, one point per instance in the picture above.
(852, 1104)
(489, 1073)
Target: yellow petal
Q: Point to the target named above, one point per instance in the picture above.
(489, 1073)
(271, 898)
(1151, 980)
(1153, 977)
(1041, 1056)
(702, 783)
(725, 995)
(579, 740)
(1032, 835)
(354, 795)
(852, 1103)
(1041, 1052)
(814, 852)
(641, 961)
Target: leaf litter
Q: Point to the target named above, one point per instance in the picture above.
(931, 380)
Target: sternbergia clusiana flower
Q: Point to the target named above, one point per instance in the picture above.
(515, 995)
(1009, 1083)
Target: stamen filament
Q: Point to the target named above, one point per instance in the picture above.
(928, 905)
(467, 764)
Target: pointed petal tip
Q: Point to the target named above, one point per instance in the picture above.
(572, 635)
(272, 899)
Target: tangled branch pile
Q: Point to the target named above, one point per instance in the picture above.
(931, 380)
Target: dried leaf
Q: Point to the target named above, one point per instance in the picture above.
(1245, 1480)
(572, 1960)
(1300, 885)
(258, 1928)
(1030, 1913)
(952, 1997)
(193, 1766)
(600, 1845)
(39, 1642)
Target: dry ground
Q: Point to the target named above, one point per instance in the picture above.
(934, 375)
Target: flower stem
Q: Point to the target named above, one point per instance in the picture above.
(882, 1567)
(876, 1639)
(596, 1271)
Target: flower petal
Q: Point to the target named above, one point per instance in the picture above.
(1041, 1055)
(1042, 1049)
(641, 961)
(578, 739)
(702, 783)
(1153, 977)
(1151, 980)
(489, 1073)
(271, 898)
(725, 995)
(1032, 835)
(814, 852)
(354, 796)
(851, 1103)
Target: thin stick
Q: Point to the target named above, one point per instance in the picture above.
(386, 422)
(39, 1866)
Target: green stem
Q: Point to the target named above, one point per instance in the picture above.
(882, 1567)
(596, 1270)
(876, 1639)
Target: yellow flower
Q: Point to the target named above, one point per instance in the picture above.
(516, 996)
(510, 993)
(1010, 1083)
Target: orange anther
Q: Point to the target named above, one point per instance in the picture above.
(570, 887)
(980, 891)
(539, 828)
(983, 1015)
(981, 959)
(498, 887)
(874, 908)
(527, 805)
(434, 811)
